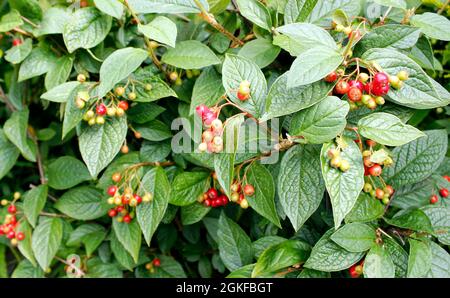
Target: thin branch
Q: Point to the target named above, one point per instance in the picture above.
(17, 29)
(6, 100)
(39, 161)
(441, 10)
(52, 198)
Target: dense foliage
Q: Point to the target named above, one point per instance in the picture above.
(205, 138)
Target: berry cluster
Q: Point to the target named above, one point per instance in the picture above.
(356, 270)
(443, 192)
(239, 193)
(244, 91)
(151, 266)
(212, 140)
(336, 161)
(366, 90)
(124, 199)
(212, 198)
(176, 79)
(10, 223)
(373, 161)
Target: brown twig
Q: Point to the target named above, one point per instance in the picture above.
(6, 100)
(441, 10)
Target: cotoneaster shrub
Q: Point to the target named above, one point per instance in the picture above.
(187, 138)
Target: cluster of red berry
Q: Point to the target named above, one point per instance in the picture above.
(238, 194)
(126, 201)
(212, 198)
(10, 223)
(365, 89)
(356, 270)
(443, 192)
(336, 161)
(151, 266)
(244, 91)
(212, 140)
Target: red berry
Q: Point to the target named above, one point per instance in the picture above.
(112, 213)
(249, 190)
(127, 219)
(11, 234)
(434, 199)
(112, 190)
(375, 170)
(138, 199)
(224, 200)
(83, 3)
(16, 42)
(20, 236)
(207, 203)
(331, 77)
(379, 90)
(101, 109)
(381, 79)
(218, 202)
(125, 200)
(443, 192)
(371, 143)
(389, 190)
(123, 105)
(156, 262)
(357, 84)
(120, 208)
(446, 178)
(354, 94)
(209, 117)
(342, 87)
(12, 209)
(242, 97)
(202, 110)
(353, 272)
(13, 220)
(212, 193)
(379, 193)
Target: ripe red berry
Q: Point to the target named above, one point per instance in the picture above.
(381, 78)
(156, 262)
(112, 212)
(83, 3)
(242, 96)
(127, 219)
(375, 170)
(20, 236)
(331, 77)
(434, 199)
(353, 272)
(446, 178)
(357, 84)
(379, 193)
(112, 190)
(342, 87)
(123, 105)
(389, 189)
(371, 143)
(249, 190)
(12, 209)
(16, 42)
(354, 94)
(207, 203)
(212, 193)
(11, 234)
(201, 110)
(101, 109)
(443, 192)
(138, 199)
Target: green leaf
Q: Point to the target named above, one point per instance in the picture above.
(343, 187)
(72, 114)
(327, 256)
(398, 255)
(279, 256)
(313, 65)
(33, 203)
(387, 129)
(394, 3)
(46, 240)
(130, 236)
(66, 172)
(10, 21)
(170, 268)
(54, 20)
(61, 93)
(282, 100)
(193, 213)
(187, 186)
(423, 54)
(154, 151)
(59, 73)
(311, 273)
(300, 183)
(83, 203)
(440, 262)
(118, 66)
(300, 37)
(17, 54)
(99, 144)
(98, 269)
(30, 9)
(161, 29)
(389, 36)
(417, 160)
(25, 269)
(419, 261)
(149, 215)
(412, 196)
(164, 6)
(91, 235)
(256, 12)
(419, 91)
(234, 245)
(432, 25)
(25, 245)
(8, 154)
(190, 54)
(38, 62)
(321, 122)
(415, 220)
(86, 28)
(145, 112)
(298, 10)
(243, 272)
(207, 89)
(378, 263)
(440, 220)
(111, 7)
(261, 51)
(154, 130)
(366, 209)
(121, 254)
(15, 129)
(355, 237)
(263, 243)
(224, 168)
(263, 201)
(237, 69)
